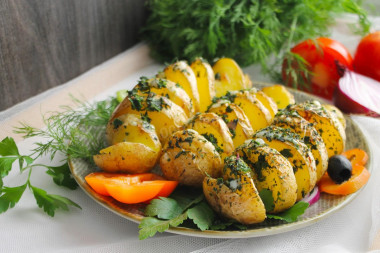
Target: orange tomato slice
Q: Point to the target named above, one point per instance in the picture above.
(130, 188)
(359, 178)
(356, 156)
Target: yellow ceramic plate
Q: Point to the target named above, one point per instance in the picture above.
(326, 205)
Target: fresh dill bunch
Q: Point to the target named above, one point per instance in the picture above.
(77, 133)
(245, 30)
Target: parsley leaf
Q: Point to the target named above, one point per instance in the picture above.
(149, 226)
(292, 214)
(62, 176)
(267, 198)
(10, 196)
(202, 215)
(163, 208)
(6, 165)
(50, 202)
(8, 147)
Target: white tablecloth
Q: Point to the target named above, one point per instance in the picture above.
(26, 228)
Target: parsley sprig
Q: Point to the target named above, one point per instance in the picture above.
(64, 133)
(10, 196)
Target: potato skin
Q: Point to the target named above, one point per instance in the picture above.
(126, 157)
(213, 128)
(272, 171)
(188, 157)
(235, 196)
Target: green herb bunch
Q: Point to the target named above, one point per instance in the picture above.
(65, 133)
(248, 31)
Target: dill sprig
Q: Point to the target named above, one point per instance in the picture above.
(77, 133)
(247, 31)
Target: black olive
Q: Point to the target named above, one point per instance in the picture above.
(339, 169)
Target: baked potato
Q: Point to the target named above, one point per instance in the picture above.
(229, 77)
(127, 157)
(236, 120)
(308, 135)
(270, 171)
(258, 116)
(187, 157)
(205, 82)
(265, 100)
(181, 73)
(280, 95)
(168, 89)
(297, 153)
(235, 196)
(160, 111)
(213, 128)
(326, 123)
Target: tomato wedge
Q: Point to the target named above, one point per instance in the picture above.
(359, 178)
(356, 156)
(131, 188)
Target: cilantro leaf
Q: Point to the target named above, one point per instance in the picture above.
(202, 215)
(292, 214)
(1, 185)
(8, 147)
(62, 176)
(149, 226)
(50, 202)
(23, 159)
(163, 208)
(267, 198)
(10, 196)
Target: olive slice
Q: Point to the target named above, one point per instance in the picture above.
(339, 168)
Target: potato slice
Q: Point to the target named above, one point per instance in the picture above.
(228, 76)
(188, 157)
(236, 196)
(327, 125)
(131, 128)
(205, 82)
(258, 116)
(181, 73)
(271, 171)
(160, 111)
(297, 153)
(167, 89)
(280, 95)
(127, 157)
(338, 113)
(236, 120)
(213, 128)
(265, 100)
(308, 134)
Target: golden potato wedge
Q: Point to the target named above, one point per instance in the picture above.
(167, 89)
(236, 120)
(338, 113)
(258, 116)
(160, 111)
(213, 128)
(181, 73)
(308, 134)
(228, 76)
(271, 171)
(265, 100)
(280, 95)
(188, 157)
(131, 128)
(327, 125)
(127, 157)
(235, 197)
(205, 82)
(297, 153)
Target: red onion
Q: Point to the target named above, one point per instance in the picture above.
(312, 197)
(358, 94)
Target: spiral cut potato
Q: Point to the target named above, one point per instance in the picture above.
(208, 127)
